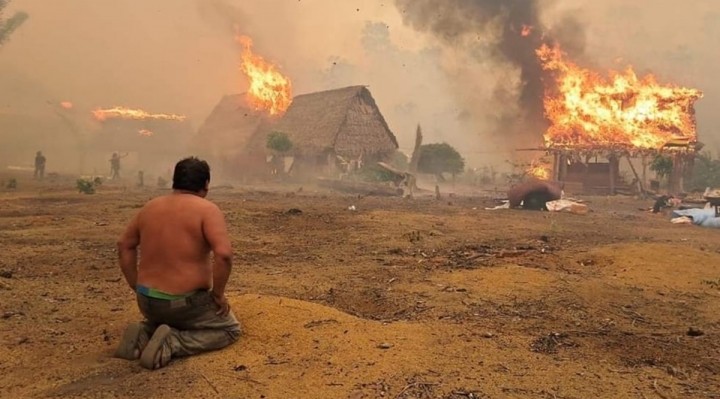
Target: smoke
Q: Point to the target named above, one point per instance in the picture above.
(499, 34)
(221, 14)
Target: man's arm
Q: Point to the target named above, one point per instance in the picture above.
(127, 251)
(216, 234)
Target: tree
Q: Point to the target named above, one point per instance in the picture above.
(279, 142)
(437, 159)
(662, 165)
(9, 25)
(706, 172)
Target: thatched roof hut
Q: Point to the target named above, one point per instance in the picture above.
(345, 121)
(228, 129)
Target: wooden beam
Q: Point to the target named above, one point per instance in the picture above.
(641, 184)
(415, 158)
(612, 158)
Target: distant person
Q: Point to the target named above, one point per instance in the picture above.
(180, 293)
(39, 165)
(115, 165)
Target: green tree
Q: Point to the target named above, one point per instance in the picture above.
(706, 172)
(9, 25)
(279, 142)
(436, 159)
(662, 165)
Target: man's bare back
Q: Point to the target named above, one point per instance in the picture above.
(174, 279)
(177, 233)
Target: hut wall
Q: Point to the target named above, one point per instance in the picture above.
(593, 177)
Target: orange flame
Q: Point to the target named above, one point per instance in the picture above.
(66, 104)
(539, 171)
(526, 30)
(128, 113)
(586, 109)
(269, 90)
(145, 132)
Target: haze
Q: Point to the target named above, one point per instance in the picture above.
(178, 56)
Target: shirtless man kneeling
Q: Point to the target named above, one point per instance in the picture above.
(180, 293)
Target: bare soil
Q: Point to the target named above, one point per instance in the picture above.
(395, 299)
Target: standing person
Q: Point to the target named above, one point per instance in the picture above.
(115, 165)
(180, 293)
(39, 165)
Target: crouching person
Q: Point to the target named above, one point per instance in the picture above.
(179, 291)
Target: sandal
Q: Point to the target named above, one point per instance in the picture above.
(132, 342)
(157, 353)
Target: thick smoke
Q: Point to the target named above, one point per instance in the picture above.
(500, 32)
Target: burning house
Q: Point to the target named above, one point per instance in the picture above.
(226, 133)
(597, 122)
(323, 127)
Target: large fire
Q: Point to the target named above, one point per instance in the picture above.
(588, 110)
(128, 113)
(269, 90)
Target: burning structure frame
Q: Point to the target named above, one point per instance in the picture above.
(573, 164)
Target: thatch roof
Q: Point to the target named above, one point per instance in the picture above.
(229, 128)
(347, 121)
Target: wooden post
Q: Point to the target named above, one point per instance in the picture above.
(415, 158)
(641, 184)
(563, 167)
(676, 175)
(141, 178)
(612, 165)
(644, 169)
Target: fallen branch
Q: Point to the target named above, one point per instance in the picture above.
(210, 383)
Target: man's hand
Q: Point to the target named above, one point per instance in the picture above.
(222, 302)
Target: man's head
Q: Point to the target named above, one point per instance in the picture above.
(39, 153)
(192, 174)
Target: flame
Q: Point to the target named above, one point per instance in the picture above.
(145, 132)
(128, 113)
(66, 104)
(269, 90)
(526, 30)
(539, 171)
(586, 109)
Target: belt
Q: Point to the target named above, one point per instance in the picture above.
(199, 298)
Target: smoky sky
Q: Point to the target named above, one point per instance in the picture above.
(492, 30)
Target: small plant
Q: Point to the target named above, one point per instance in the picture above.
(12, 184)
(713, 283)
(98, 181)
(86, 186)
(162, 183)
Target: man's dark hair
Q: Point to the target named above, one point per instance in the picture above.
(191, 174)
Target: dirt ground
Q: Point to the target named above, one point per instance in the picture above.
(395, 299)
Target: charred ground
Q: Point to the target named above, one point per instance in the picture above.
(401, 299)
